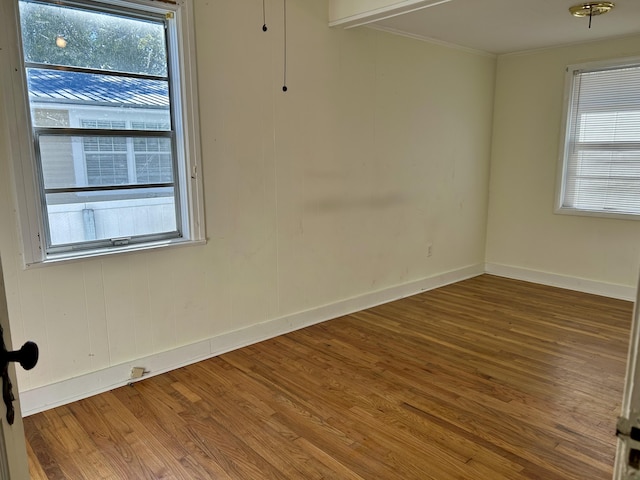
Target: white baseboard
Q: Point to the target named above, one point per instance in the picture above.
(60, 393)
(621, 292)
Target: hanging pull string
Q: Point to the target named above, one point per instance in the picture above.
(590, 15)
(284, 86)
(264, 17)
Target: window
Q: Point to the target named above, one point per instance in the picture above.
(120, 160)
(105, 157)
(152, 155)
(601, 157)
(113, 135)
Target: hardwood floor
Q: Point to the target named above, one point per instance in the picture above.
(485, 379)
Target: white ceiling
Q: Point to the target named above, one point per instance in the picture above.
(506, 26)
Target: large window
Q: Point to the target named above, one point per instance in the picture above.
(601, 156)
(114, 147)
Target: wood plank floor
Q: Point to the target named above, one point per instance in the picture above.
(486, 379)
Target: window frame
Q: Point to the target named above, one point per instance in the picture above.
(570, 97)
(184, 109)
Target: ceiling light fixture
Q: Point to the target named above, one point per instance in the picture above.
(591, 9)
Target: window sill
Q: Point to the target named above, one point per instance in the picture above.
(59, 258)
(596, 213)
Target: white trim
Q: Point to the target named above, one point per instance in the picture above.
(559, 210)
(382, 13)
(536, 51)
(62, 257)
(16, 108)
(630, 393)
(608, 64)
(66, 391)
(434, 41)
(567, 101)
(190, 122)
(622, 292)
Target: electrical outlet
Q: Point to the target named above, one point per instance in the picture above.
(137, 372)
(429, 249)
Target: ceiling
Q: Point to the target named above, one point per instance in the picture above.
(507, 26)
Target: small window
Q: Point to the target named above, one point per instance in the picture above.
(115, 149)
(600, 172)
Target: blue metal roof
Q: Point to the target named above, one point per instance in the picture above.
(85, 88)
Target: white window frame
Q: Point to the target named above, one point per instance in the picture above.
(181, 41)
(570, 97)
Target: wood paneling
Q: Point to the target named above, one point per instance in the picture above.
(485, 379)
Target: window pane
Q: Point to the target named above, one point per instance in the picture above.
(79, 161)
(107, 169)
(105, 215)
(46, 116)
(609, 195)
(609, 127)
(98, 101)
(606, 181)
(59, 35)
(609, 89)
(153, 160)
(595, 163)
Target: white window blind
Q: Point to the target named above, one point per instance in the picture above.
(601, 171)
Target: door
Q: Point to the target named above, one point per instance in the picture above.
(627, 464)
(13, 451)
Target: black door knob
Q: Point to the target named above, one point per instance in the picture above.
(27, 356)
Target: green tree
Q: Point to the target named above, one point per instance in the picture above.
(93, 39)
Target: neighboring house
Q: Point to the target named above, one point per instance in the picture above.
(74, 100)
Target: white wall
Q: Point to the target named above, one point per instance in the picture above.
(332, 190)
(523, 231)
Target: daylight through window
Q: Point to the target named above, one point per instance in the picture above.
(105, 126)
(601, 161)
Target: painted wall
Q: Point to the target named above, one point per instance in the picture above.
(523, 230)
(380, 147)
